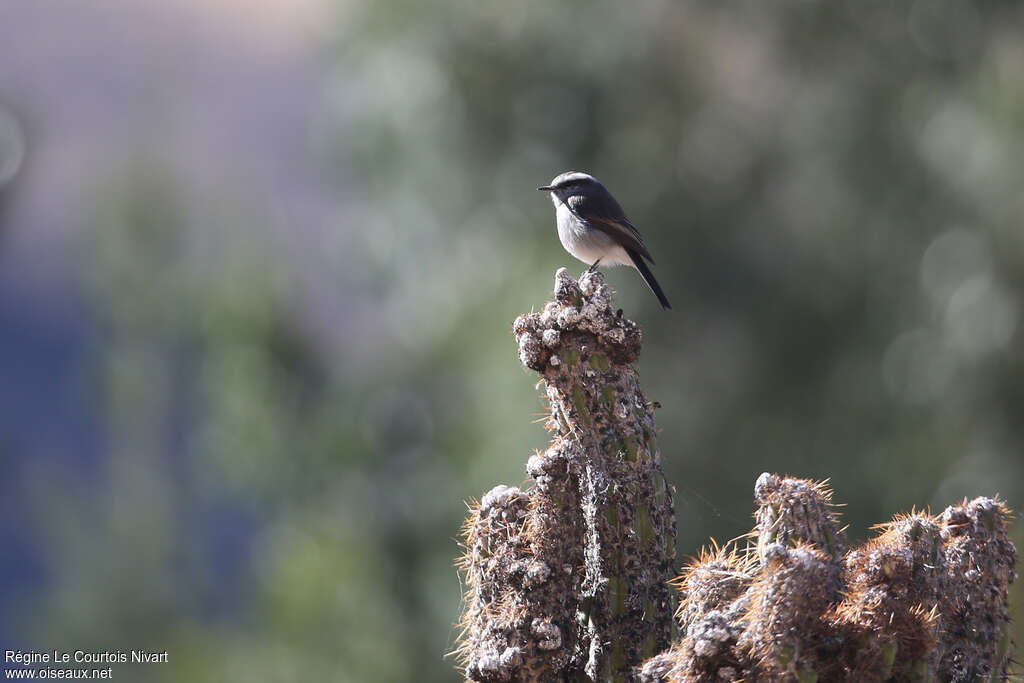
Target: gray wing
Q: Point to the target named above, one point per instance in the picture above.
(608, 217)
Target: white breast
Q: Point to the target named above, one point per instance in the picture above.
(587, 244)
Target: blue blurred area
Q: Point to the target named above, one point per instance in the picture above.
(42, 420)
(43, 360)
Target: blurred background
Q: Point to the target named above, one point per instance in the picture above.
(259, 263)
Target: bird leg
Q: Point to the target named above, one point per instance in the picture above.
(593, 267)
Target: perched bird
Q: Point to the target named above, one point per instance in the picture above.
(593, 228)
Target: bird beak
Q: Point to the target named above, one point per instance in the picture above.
(546, 188)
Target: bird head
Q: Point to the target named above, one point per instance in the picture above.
(572, 183)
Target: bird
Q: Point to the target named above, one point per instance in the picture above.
(594, 228)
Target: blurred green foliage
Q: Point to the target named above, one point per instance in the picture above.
(832, 194)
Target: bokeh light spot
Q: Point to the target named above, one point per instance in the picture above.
(951, 258)
(981, 317)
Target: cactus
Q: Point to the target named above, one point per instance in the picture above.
(923, 601)
(569, 579)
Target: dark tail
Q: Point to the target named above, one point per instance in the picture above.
(648, 276)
